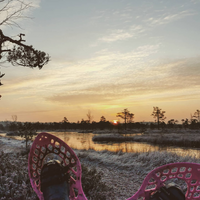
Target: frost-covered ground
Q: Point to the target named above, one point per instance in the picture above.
(8, 145)
(124, 171)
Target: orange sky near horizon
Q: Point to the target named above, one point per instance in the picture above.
(106, 56)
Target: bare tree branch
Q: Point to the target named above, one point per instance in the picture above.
(89, 116)
(12, 13)
(13, 50)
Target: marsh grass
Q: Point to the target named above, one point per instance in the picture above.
(164, 139)
(126, 171)
(15, 183)
(130, 161)
(14, 179)
(104, 174)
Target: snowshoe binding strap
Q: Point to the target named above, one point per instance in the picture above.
(168, 193)
(54, 180)
(53, 172)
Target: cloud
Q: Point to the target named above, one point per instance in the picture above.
(81, 98)
(120, 34)
(164, 81)
(105, 67)
(142, 26)
(117, 35)
(34, 111)
(23, 81)
(177, 96)
(106, 59)
(168, 17)
(111, 78)
(195, 1)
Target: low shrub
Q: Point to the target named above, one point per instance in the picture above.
(93, 186)
(14, 179)
(15, 183)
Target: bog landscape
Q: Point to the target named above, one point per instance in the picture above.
(111, 153)
(117, 81)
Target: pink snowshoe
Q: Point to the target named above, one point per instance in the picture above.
(46, 146)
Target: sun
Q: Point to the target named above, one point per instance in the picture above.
(115, 121)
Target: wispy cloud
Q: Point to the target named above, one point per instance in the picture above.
(168, 17)
(165, 81)
(117, 35)
(195, 1)
(120, 34)
(104, 68)
(143, 24)
(82, 99)
(111, 77)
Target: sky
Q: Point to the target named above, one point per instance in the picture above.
(106, 56)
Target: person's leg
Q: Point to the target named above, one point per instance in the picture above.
(54, 181)
(56, 192)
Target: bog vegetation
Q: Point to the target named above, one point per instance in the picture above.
(15, 184)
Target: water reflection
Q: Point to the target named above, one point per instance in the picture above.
(84, 141)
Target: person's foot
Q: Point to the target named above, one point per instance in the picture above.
(55, 181)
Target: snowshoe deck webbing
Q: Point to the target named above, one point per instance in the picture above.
(189, 172)
(45, 144)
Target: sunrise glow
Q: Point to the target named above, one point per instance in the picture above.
(106, 56)
(115, 121)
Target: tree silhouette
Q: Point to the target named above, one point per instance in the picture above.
(185, 123)
(27, 131)
(12, 50)
(193, 123)
(1, 75)
(171, 123)
(14, 118)
(197, 115)
(158, 114)
(89, 116)
(102, 119)
(65, 122)
(130, 117)
(126, 115)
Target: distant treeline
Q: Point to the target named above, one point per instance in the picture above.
(125, 115)
(85, 125)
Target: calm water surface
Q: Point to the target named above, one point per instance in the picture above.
(84, 141)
